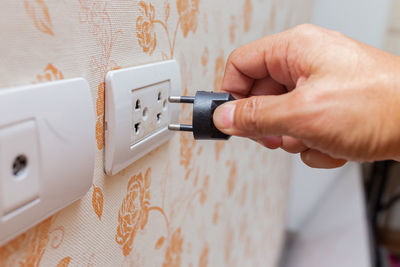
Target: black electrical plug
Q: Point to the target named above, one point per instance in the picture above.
(204, 105)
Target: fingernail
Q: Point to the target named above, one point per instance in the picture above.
(223, 116)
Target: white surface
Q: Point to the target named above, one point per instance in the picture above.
(308, 187)
(53, 125)
(336, 233)
(123, 88)
(19, 139)
(364, 20)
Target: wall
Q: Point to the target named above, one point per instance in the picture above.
(187, 203)
(389, 221)
(392, 37)
(326, 207)
(336, 232)
(366, 21)
(308, 187)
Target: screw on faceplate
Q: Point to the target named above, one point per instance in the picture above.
(19, 165)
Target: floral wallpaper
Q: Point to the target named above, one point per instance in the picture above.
(187, 203)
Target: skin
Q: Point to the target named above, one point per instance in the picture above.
(316, 92)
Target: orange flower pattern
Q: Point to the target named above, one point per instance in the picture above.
(100, 116)
(232, 178)
(203, 261)
(159, 243)
(195, 202)
(31, 246)
(28, 249)
(173, 253)
(95, 14)
(64, 262)
(134, 211)
(188, 11)
(219, 145)
(247, 14)
(50, 73)
(39, 13)
(97, 201)
(219, 72)
(145, 28)
(204, 59)
(204, 191)
(100, 133)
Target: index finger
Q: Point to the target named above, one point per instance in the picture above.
(263, 58)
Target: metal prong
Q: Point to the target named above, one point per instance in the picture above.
(180, 127)
(181, 99)
(174, 127)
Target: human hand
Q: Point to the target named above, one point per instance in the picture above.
(316, 92)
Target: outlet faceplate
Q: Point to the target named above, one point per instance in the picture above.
(150, 110)
(47, 151)
(19, 165)
(137, 111)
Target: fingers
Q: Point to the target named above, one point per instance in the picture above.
(257, 116)
(274, 56)
(267, 86)
(287, 143)
(248, 63)
(293, 145)
(316, 159)
(271, 142)
(311, 157)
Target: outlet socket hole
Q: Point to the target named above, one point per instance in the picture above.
(158, 117)
(137, 128)
(164, 104)
(144, 113)
(137, 104)
(159, 96)
(20, 165)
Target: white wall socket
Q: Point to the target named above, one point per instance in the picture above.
(138, 112)
(47, 151)
(150, 110)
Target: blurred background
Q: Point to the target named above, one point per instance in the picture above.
(348, 216)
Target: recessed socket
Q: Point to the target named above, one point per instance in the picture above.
(137, 104)
(137, 128)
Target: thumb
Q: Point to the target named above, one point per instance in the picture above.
(257, 116)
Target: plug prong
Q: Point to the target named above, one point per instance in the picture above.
(181, 99)
(180, 127)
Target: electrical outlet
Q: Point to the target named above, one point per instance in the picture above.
(47, 151)
(138, 112)
(19, 165)
(150, 111)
